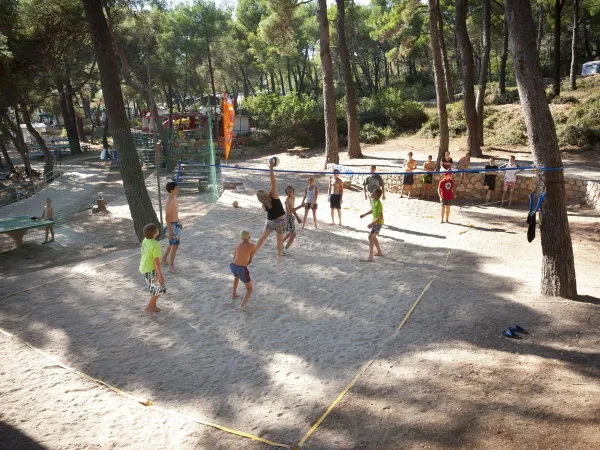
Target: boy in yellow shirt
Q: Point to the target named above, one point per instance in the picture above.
(150, 266)
(375, 226)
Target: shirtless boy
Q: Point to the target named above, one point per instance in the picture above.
(409, 165)
(173, 226)
(336, 195)
(242, 257)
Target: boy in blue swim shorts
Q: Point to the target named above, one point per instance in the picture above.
(242, 257)
(173, 228)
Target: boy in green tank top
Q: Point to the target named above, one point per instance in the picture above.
(150, 267)
(375, 226)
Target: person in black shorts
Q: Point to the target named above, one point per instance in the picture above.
(489, 179)
(408, 181)
(336, 194)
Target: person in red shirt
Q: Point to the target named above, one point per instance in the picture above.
(446, 193)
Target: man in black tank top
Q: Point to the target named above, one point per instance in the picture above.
(275, 214)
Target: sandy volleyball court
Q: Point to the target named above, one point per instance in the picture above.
(447, 379)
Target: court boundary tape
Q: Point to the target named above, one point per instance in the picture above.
(143, 402)
(364, 368)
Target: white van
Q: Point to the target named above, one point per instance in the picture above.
(590, 68)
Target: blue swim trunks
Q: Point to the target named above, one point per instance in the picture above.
(176, 226)
(241, 272)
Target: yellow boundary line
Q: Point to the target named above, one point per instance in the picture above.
(144, 402)
(362, 369)
(149, 404)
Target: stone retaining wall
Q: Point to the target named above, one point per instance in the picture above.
(471, 187)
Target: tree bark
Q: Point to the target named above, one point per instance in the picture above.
(503, 59)
(354, 150)
(11, 166)
(70, 126)
(211, 72)
(466, 57)
(558, 266)
(16, 136)
(573, 75)
(74, 137)
(331, 131)
(48, 159)
(80, 129)
(281, 82)
(540, 31)
(446, 64)
(105, 134)
(558, 7)
(438, 74)
(483, 69)
(289, 76)
(134, 184)
(586, 39)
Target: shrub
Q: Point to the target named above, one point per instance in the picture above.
(288, 119)
(582, 127)
(511, 95)
(389, 109)
(564, 100)
(372, 134)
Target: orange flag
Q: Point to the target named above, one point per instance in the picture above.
(228, 122)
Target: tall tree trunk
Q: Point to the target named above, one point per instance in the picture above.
(503, 59)
(466, 57)
(558, 6)
(74, 137)
(483, 69)
(540, 31)
(586, 39)
(273, 86)
(85, 102)
(70, 126)
(438, 74)
(7, 127)
(105, 134)
(351, 114)
(80, 129)
(446, 64)
(289, 76)
(558, 265)
(136, 192)
(573, 75)
(211, 72)
(11, 166)
(386, 71)
(48, 159)
(331, 131)
(281, 82)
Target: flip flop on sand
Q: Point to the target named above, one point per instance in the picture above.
(509, 334)
(367, 260)
(172, 270)
(518, 329)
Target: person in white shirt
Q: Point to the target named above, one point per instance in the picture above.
(510, 179)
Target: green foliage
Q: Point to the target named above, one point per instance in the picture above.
(389, 109)
(564, 100)
(299, 119)
(372, 134)
(510, 96)
(582, 126)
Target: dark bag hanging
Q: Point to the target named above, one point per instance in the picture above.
(531, 220)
